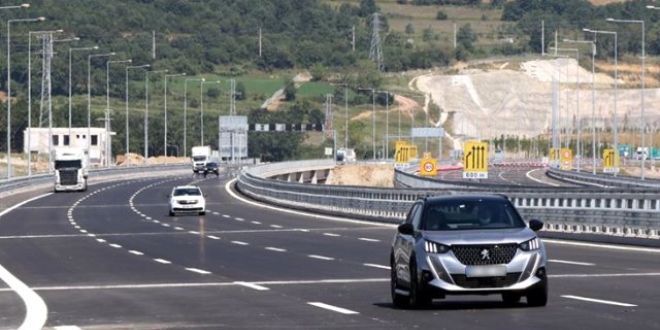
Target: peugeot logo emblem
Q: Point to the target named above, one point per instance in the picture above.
(485, 254)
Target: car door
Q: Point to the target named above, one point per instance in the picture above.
(404, 245)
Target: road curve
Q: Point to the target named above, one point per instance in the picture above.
(111, 258)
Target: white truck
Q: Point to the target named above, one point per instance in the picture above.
(200, 155)
(70, 166)
(346, 155)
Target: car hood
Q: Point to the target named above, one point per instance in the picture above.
(187, 198)
(491, 236)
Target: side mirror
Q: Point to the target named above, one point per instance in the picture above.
(535, 225)
(406, 229)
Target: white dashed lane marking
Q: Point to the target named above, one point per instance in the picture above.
(252, 286)
(571, 262)
(377, 266)
(199, 271)
(275, 249)
(314, 256)
(333, 308)
(599, 301)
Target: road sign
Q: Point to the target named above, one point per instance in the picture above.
(566, 159)
(610, 161)
(404, 152)
(428, 167)
(475, 160)
(427, 132)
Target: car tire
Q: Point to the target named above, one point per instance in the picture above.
(511, 298)
(171, 213)
(538, 295)
(399, 301)
(419, 298)
(202, 213)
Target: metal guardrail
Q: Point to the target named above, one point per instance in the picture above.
(616, 212)
(47, 179)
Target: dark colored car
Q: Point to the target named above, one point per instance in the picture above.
(211, 167)
(467, 244)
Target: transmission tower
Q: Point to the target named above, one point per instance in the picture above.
(47, 55)
(375, 52)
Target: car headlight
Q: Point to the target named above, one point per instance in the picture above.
(531, 245)
(433, 247)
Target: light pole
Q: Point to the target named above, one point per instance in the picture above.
(566, 130)
(70, 50)
(146, 114)
(185, 113)
(346, 110)
(373, 118)
(387, 123)
(89, 101)
(201, 109)
(616, 83)
(128, 159)
(108, 145)
(38, 19)
(29, 136)
(593, 97)
(642, 120)
(579, 123)
(165, 97)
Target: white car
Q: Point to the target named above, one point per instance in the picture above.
(186, 199)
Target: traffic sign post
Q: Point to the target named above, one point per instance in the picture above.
(475, 160)
(566, 159)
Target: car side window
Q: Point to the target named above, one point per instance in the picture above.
(417, 217)
(411, 212)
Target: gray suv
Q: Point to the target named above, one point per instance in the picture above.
(467, 244)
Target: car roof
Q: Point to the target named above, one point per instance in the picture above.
(466, 198)
(186, 187)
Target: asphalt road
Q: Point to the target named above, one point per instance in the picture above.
(526, 176)
(111, 258)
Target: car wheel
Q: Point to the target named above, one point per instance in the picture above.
(538, 295)
(399, 301)
(171, 213)
(202, 213)
(511, 298)
(418, 297)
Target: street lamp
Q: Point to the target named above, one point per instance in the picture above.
(201, 108)
(29, 141)
(373, 118)
(165, 96)
(108, 145)
(616, 82)
(146, 115)
(89, 101)
(185, 113)
(70, 50)
(25, 5)
(593, 95)
(38, 19)
(128, 159)
(579, 128)
(642, 121)
(387, 123)
(346, 115)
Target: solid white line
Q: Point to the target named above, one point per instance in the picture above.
(571, 262)
(137, 253)
(163, 261)
(602, 246)
(369, 239)
(198, 271)
(333, 308)
(275, 249)
(603, 275)
(252, 286)
(67, 327)
(213, 237)
(320, 257)
(606, 302)
(37, 311)
(537, 180)
(377, 266)
(240, 243)
(331, 234)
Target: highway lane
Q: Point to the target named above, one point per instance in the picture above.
(270, 269)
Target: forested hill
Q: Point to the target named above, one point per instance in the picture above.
(196, 36)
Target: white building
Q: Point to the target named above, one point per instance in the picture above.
(35, 140)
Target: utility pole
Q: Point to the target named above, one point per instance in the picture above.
(375, 51)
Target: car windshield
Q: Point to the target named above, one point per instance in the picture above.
(211, 165)
(187, 192)
(468, 215)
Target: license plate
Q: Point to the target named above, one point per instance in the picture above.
(485, 271)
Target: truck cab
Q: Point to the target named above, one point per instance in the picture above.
(70, 167)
